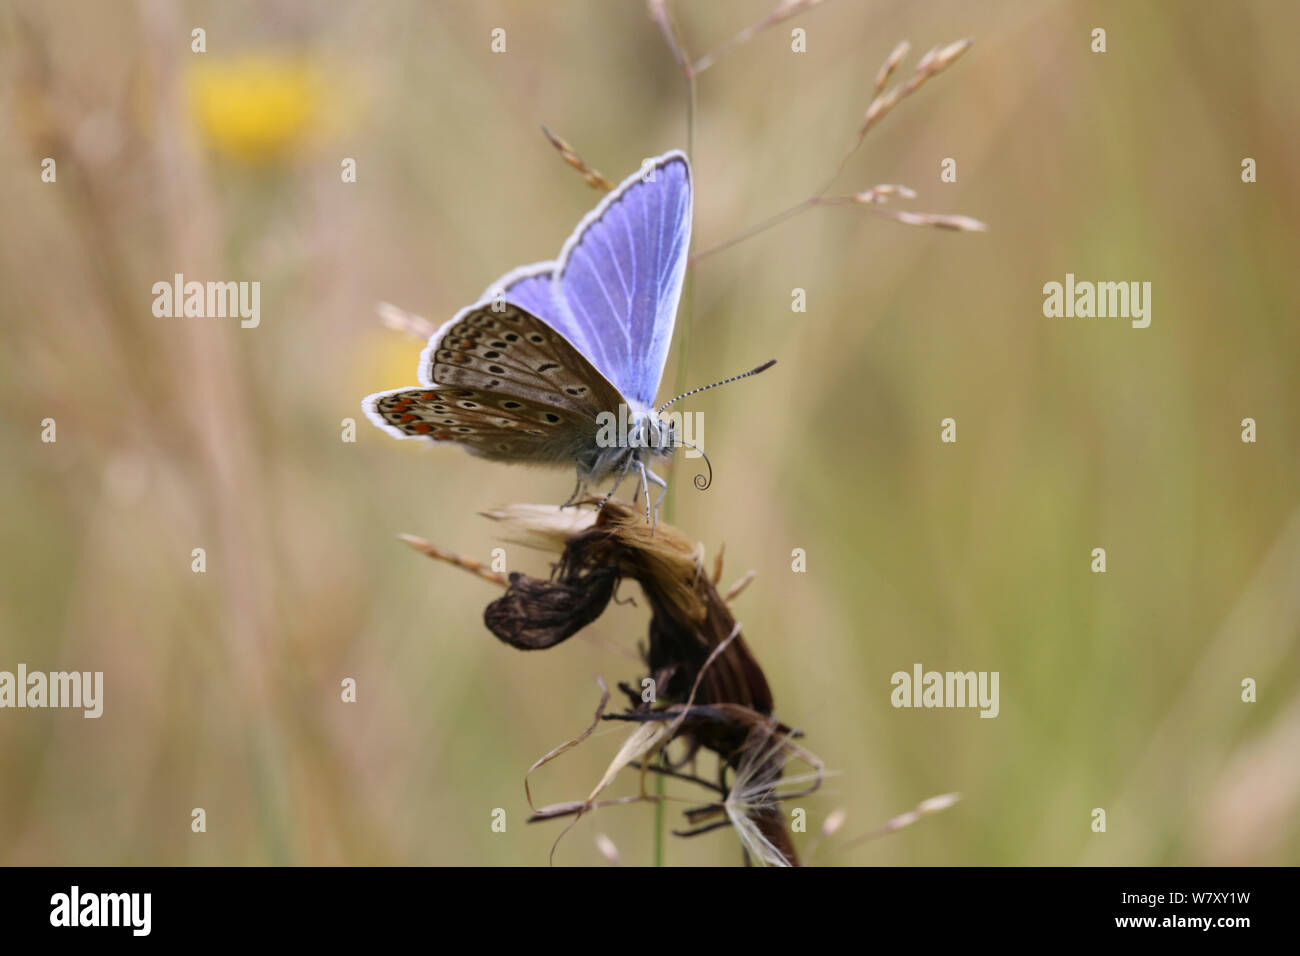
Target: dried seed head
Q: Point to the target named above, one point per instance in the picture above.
(935, 804)
(589, 175)
(879, 108)
(834, 822)
(932, 64)
(543, 527)
(879, 194)
(890, 65)
(607, 849)
(957, 223)
(752, 798)
(402, 321)
(949, 54)
(922, 809)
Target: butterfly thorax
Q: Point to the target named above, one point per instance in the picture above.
(625, 440)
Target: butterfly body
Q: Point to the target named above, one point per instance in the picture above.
(534, 371)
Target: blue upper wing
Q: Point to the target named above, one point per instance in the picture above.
(619, 277)
(614, 291)
(529, 287)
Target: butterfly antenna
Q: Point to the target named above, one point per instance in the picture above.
(726, 381)
(702, 482)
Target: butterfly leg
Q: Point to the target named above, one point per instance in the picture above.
(661, 484)
(622, 477)
(640, 483)
(651, 518)
(577, 491)
(650, 478)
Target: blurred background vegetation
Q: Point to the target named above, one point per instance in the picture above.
(1119, 691)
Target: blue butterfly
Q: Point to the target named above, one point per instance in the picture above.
(553, 353)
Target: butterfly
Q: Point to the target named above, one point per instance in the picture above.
(539, 367)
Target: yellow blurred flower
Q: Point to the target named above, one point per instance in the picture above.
(257, 109)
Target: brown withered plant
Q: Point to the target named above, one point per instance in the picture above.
(709, 692)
